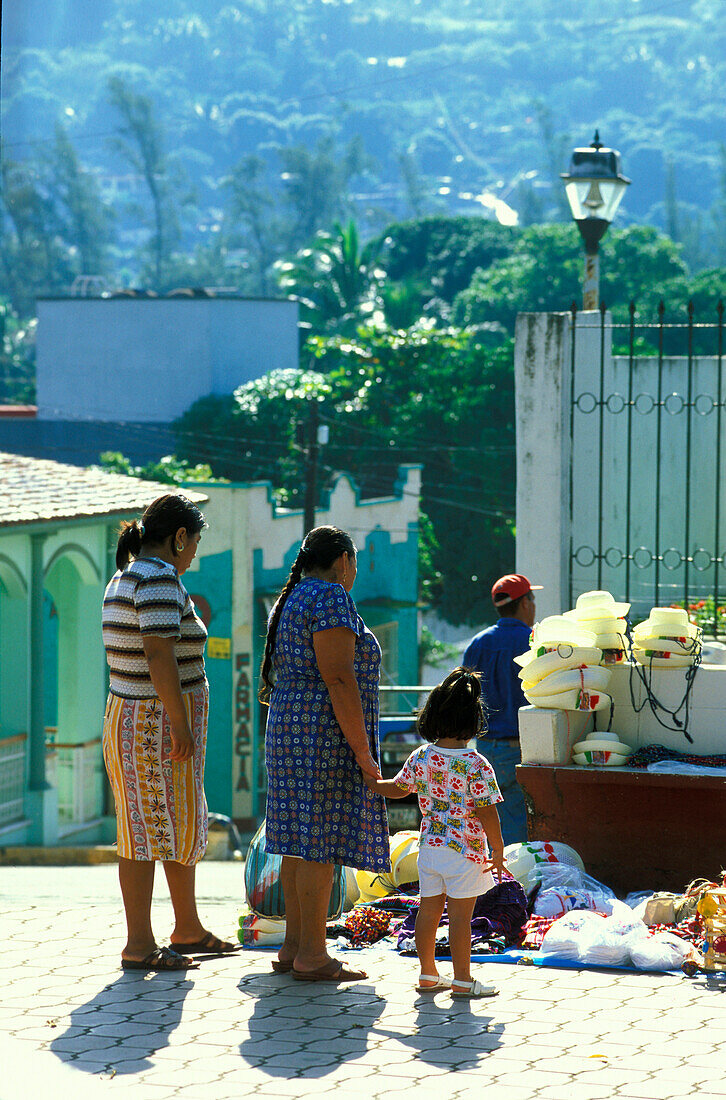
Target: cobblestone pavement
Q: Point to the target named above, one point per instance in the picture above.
(74, 1025)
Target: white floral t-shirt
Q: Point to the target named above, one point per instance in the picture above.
(451, 784)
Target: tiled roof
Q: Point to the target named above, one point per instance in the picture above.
(36, 490)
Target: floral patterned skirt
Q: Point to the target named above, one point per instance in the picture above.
(161, 811)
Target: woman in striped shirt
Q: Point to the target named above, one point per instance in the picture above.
(155, 729)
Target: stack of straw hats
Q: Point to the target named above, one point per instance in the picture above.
(562, 668)
(603, 749)
(599, 612)
(667, 639)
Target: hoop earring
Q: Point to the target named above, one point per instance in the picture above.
(179, 548)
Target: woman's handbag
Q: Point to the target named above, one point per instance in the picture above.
(262, 881)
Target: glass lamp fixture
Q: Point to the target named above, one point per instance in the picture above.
(594, 186)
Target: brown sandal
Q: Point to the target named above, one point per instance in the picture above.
(281, 967)
(208, 945)
(334, 971)
(161, 958)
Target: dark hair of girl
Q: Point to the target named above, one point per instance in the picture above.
(455, 708)
(320, 548)
(162, 519)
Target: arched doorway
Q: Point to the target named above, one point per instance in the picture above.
(75, 763)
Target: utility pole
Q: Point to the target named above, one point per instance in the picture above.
(314, 436)
(311, 468)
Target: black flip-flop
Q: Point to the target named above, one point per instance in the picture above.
(161, 958)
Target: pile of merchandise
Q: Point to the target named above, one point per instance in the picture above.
(562, 669)
(599, 612)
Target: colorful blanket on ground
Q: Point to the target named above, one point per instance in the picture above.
(651, 754)
(499, 916)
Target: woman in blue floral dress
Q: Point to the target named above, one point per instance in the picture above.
(320, 675)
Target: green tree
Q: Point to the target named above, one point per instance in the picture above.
(316, 183)
(34, 258)
(254, 223)
(544, 273)
(336, 283)
(169, 470)
(439, 397)
(142, 146)
(86, 222)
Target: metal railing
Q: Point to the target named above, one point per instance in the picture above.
(12, 778)
(646, 466)
(76, 771)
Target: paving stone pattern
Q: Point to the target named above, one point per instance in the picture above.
(74, 1025)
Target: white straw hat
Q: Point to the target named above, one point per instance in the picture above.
(556, 628)
(591, 679)
(576, 699)
(601, 748)
(596, 605)
(534, 668)
(666, 622)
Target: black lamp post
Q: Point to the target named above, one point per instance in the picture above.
(594, 186)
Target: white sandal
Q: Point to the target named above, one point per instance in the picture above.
(439, 983)
(467, 990)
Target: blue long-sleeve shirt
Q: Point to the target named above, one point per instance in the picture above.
(492, 653)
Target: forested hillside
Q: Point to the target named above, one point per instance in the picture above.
(423, 105)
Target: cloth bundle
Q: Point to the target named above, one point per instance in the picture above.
(499, 915)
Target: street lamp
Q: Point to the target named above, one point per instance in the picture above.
(594, 186)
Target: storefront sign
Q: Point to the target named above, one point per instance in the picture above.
(242, 721)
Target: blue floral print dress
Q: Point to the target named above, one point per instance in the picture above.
(318, 806)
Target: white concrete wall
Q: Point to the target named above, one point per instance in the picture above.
(542, 403)
(150, 359)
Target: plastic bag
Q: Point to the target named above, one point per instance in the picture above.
(562, 940)
(262, 881)
(611, 942)
(663, 951)
(566, 888)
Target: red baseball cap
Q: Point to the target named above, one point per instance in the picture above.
(510, 588)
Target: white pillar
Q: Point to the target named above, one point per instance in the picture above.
(542, 372)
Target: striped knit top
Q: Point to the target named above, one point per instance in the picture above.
(147, 598)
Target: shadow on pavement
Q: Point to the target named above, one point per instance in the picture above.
(124, 1024)
(307, 1028)
(451, 1036)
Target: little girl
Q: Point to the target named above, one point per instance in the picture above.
(457, 791)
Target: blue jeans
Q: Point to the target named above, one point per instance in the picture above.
(504, 757)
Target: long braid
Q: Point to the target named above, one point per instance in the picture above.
(295, 577)
(320, 548)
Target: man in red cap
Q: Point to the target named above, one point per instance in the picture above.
(492, 653)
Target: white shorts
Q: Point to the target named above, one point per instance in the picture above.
(444, 871)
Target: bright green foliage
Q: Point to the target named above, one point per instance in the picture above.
(439, 397)
(544, 273)
(336, 285)
(169, 470)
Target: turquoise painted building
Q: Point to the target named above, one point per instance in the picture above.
(58, 533)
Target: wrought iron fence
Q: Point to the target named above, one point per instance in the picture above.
(647, 460)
